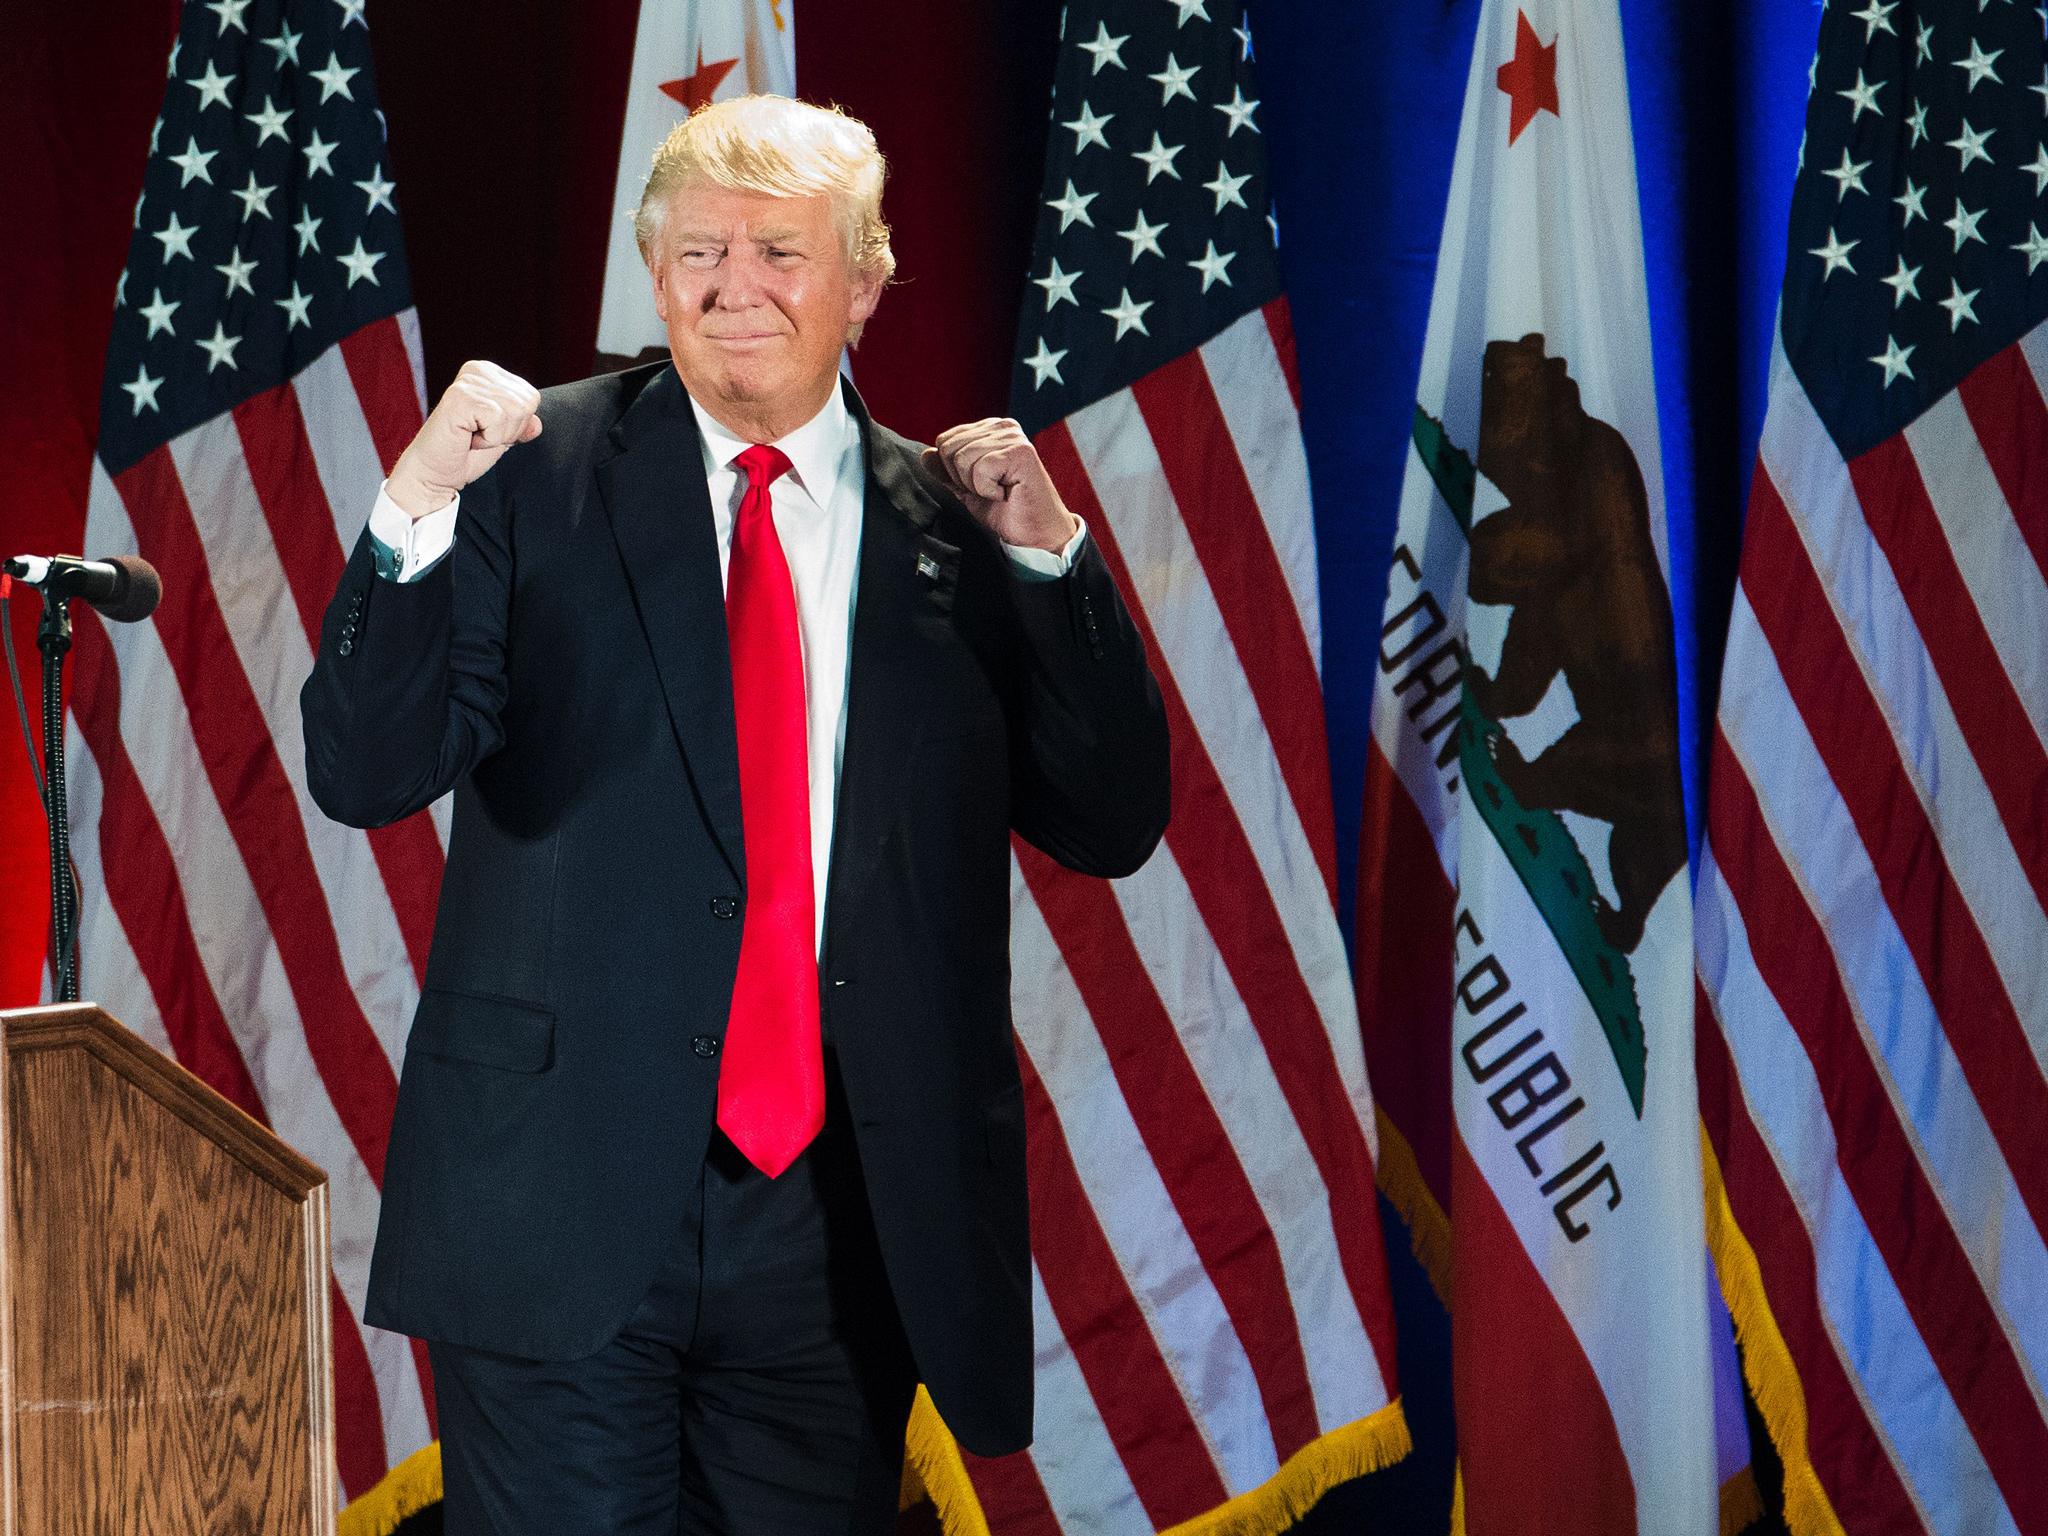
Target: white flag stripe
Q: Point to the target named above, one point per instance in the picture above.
(116, 973)
(415, 353)
(1258, 407)
(1882, 635)
(1911, 1412)
(343, 449)
(2005, 584)
(395, 1370)
(1209, 1016)
(1117, 451)
(254, 598)
(1084, 1478)
(2034, 347)
(1899, 1024)
(1189, 1324)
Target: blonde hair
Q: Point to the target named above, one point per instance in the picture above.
(779, 147)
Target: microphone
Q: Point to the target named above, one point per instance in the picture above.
(124, 589)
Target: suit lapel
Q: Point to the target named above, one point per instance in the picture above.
(905, 569)
(655, 493)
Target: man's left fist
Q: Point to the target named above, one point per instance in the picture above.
(992, 467)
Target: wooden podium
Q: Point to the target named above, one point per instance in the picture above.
(165, 1360)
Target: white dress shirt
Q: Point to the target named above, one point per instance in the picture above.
(817, 509)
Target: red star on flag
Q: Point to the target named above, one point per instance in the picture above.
(694, 90)
(1529, 78)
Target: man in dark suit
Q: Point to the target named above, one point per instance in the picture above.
(710, 1141)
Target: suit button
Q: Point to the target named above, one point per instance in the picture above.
(346, 648)
(725, 906)
(705, 1045)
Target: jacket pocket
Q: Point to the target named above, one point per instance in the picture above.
(490, 1031)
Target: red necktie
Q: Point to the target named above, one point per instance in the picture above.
(771, 1088)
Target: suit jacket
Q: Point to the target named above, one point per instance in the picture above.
(565, 671)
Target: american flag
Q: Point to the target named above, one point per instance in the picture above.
(1873, 915)
(263, 373)
(1211, 1307)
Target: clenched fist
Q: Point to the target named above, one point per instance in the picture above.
(485, 411)
(992, 467)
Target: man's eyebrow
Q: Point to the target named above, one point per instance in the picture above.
(784, 234)
(699, 237)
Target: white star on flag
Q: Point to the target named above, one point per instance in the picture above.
(1876, 18)
(1979, 66)
(361, 264)
(229, 13)
(1238, 110)
(237, 271)
(308, 231)
(192, 163)
(1958, 305)
(1862, 98)
(1227, 188)
(1914, 201)
(286, 46)
(1105, 49)
(158, 313)
(1969, 146)
(1173, 81)
(1904, 283)
(2034, 248)
(1058, 285)
(1213, 266)
(176, 238)
(1045, 364)
(1087, 128)
(319, 155)
(269, 122)
(219, 348)
(1144, 237)
(295, 307)
(1848, 176)
(1963, 224)
(142, 389)
(1073, 207)
(378, 191)
(1893, 360)
(334, 79)
(255, 199)
(1128, 315)
(212, 87)
(1158, 159)
(1836, 254)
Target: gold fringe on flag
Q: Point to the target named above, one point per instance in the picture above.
(1429, 1229)
(1767, 1363)
(1351, 1451)
(402, 1493)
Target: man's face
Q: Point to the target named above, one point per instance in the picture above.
(758, 296)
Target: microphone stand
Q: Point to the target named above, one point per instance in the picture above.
(53, 639)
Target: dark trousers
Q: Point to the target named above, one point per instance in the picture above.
(761, 1389)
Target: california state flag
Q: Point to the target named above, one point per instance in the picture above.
(1526, 924)
(686, 53)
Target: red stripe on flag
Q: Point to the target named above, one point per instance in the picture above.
(1209, 843)
(2011, 422)
(1962, 1333)
(1933, 918)
(1851, 1462)
(1187, 1142)
(1405, 911)
(281, 466)
(426, 1373)
(1980, 691)
(1536, 1436)
(1140, 1404)
(142, 881)
(1230, 538)
(359, 1454)
(1280, 321)
(262, 813)
(382, 374)
(1012, 1495)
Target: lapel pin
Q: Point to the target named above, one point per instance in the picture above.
(927, 567)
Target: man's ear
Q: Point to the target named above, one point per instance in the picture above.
(867, 293)
(657, 275)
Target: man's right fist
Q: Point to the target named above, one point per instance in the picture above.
(485, 411)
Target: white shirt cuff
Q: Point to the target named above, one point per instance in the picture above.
(1035, 564)
(415, 545)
